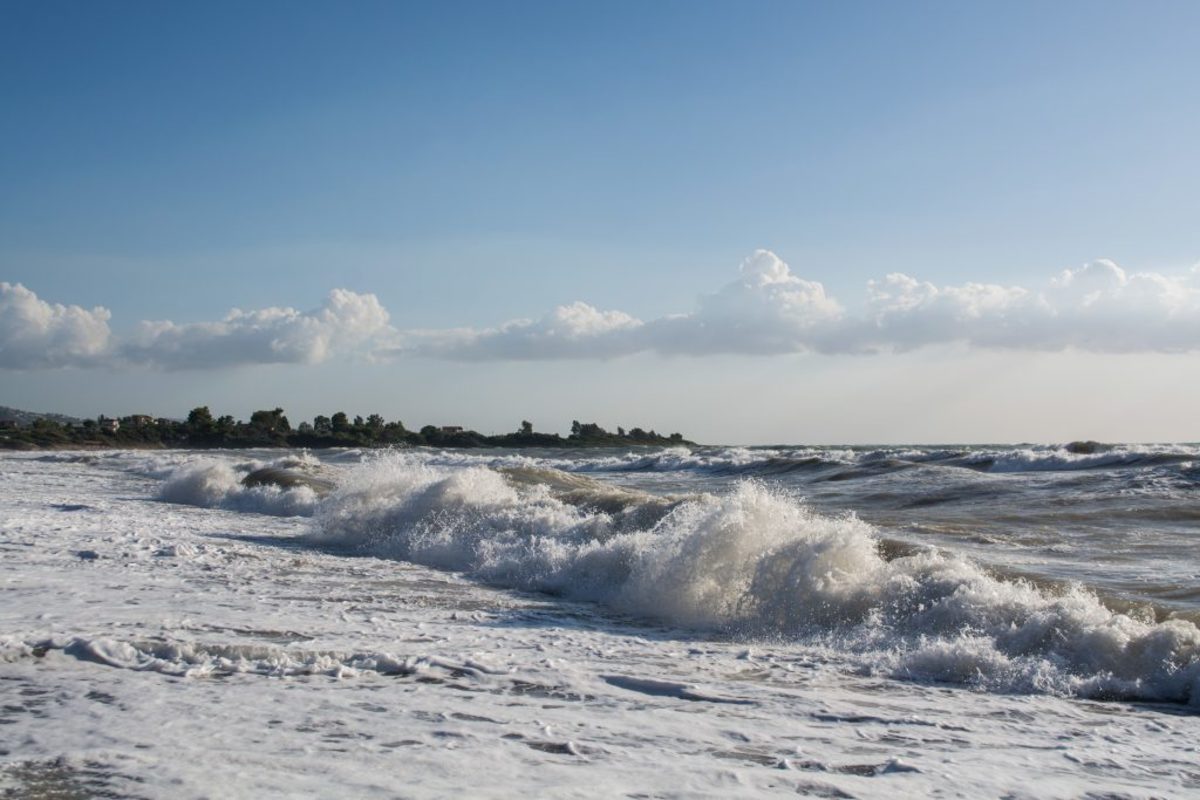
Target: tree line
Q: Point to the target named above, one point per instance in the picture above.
(271, 428)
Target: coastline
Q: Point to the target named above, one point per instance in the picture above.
(564, 444)
(270, 428)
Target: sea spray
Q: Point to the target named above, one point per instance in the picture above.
(757, 562)
(212, 483)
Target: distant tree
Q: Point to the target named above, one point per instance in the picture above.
(575, 427)
(375, 423)
(340, 422)
(620, 432)
(322, 424)
(272, 421)
(359, 423)
(305, 428)
(588, 430)
(200, 418)
(526, 428)
(430, 430)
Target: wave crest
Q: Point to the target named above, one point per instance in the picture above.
(758, 562)
(211, 483)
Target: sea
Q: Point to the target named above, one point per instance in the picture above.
(836, 622)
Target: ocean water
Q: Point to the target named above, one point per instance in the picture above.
(834, 622)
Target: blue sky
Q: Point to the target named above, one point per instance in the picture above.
(468, 164)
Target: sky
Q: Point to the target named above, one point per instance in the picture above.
(750, 222)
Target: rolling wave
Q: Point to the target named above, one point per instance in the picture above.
(286, 487)
(849, 463)
(756, 562)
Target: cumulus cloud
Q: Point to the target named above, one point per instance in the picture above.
(35, 334)
(577, 330)
(904, 313)
(265, 336)
(1097, 307)
(768, 309)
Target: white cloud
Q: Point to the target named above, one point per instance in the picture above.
(768, 309)
(266, 336)
(35, 334)
(1097, 308)
(904, 313)
(577, 330)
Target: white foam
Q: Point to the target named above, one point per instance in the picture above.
(214, 655)
(759, 562)
(1044, 458)
(212, 483)
(189, 659)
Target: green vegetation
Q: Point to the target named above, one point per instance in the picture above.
(271, 428)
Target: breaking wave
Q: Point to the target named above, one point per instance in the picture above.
(285, 487)
(845, 462)
(1056, 459)
(757, 562)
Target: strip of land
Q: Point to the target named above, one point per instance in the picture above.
(271, 428)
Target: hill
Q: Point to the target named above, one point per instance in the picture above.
(25, 418)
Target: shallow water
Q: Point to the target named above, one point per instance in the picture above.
(725, 621)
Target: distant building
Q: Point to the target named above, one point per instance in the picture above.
(452, 429)
(109, 425)
(9, 425)
(141, 420)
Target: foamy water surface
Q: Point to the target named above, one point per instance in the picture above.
(838, 622)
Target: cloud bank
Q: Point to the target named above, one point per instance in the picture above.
(35, 334)
(1098, 308)
(577, 330)
(766, 310)
(770, 310)
(268, 336)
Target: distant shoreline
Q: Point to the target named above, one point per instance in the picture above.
(29, 447)
(271, 429)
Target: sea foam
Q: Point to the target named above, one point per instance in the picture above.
(757, 562)
(212, 483)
